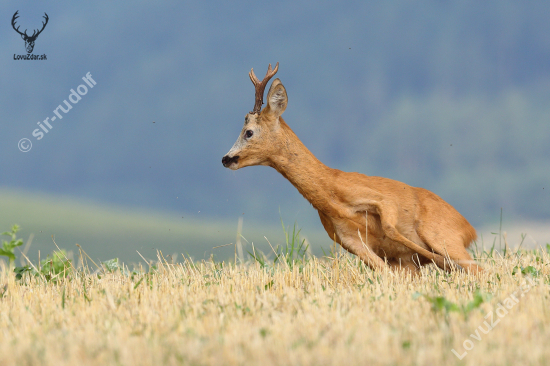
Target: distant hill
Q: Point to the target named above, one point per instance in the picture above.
(450, 96)
(106, 232)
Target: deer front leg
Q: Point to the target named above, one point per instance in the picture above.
(350, 240)
(358, 247)
(368, 257)
(401, 266)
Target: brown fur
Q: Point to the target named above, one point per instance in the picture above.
(382, 221)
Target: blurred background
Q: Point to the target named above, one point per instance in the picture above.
(450, 96)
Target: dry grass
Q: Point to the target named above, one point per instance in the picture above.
(321, 312)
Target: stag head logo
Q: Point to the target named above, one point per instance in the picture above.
(29, 40)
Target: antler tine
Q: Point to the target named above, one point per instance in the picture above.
(43, 24)
(269, 74)
(253, 77)
(260, 86)
(15, 16)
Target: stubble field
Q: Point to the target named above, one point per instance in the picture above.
(297, 311)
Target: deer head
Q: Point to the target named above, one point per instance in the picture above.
(260, 137)
(29, 40)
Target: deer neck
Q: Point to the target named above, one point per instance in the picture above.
(312, 178)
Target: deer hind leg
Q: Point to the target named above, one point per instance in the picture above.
(450, 245)
(389, 219)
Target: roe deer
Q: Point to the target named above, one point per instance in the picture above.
(382, 221)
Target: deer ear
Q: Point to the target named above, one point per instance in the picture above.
(277, 99)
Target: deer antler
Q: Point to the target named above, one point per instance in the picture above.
(260, 86)
(15, 16)
(43, 26)
(34, 34)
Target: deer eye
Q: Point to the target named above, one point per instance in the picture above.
(248, 133)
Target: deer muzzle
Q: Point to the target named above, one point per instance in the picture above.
(227, 161)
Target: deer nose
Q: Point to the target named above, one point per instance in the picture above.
(227, 161)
